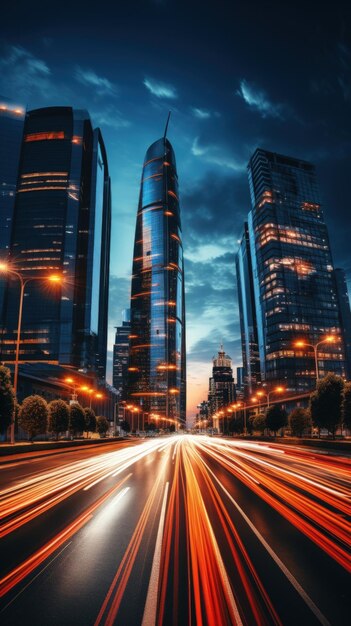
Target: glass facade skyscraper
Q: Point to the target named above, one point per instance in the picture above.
(121, 356)
(345, 315)
(157, 379)
(294, 293)
(247, 312)
(61, 224)
(11, 132)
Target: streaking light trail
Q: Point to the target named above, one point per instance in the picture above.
(184, 527)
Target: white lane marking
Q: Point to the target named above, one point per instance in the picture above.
(36, 576)
(150, 611)
(118, 497)
(311, 605)
(225, 578)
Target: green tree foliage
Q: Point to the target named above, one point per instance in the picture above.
(76, 419)
(34, 415)
(276, 418)
(346, 406)
(125, 426)
(299, 421)
(102, 425)
(90, 420)
(326, 403)
(236, 425)
(58, 417)
(259, 423)
(7, 401)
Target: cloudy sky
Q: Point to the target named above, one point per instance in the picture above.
(236, 75)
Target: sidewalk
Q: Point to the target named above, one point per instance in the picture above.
(25, 450)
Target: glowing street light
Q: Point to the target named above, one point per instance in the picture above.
(301, 343)
(278, 389)
(7, 269)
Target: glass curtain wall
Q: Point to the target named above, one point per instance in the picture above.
(157, 341)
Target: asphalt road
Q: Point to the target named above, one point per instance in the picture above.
(183, 530)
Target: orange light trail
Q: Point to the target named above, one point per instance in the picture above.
(192, 525)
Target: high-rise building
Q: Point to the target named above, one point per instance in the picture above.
(121, 356)
(157, 377)
(345, 314)
(247, 313)
(61, 225)
(294, 289)
(11, 133)
(240, 379)
(221, 385)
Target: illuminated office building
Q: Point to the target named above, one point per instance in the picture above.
(121, 356)
(11, 133)
(221, 392)
(157, 340)
(345, 315)
(291, 283)
(61, 225)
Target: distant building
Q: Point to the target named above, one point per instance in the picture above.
(61, 225)
(157, 371)
(221, 384)
(121, 356)
(240, 379)
(287, 283)
(345, 313)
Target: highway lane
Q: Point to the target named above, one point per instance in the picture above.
(178, 530)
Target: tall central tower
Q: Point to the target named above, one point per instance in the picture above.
(157, 374)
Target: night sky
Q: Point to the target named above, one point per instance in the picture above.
(235, 76)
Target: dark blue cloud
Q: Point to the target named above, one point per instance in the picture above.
(236, 76)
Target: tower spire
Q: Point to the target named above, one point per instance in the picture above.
(166, 127)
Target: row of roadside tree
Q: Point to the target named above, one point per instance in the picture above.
(329, 409)
(37, 417)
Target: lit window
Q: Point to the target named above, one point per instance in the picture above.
(45, 136)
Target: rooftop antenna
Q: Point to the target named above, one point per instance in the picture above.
(166, 128)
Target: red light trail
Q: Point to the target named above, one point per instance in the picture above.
(191, 536)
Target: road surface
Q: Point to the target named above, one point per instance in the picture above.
(183, 530)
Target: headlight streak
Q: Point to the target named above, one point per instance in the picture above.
(327, 529)
(190, 525)
(254, 589)
(22, 571)
(210, 591)
(111, 604)
(25, 500)
(271, 552)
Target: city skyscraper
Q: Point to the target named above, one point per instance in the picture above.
(294, 293)
(240, 379)
(345, 315)
(247, 314)
(157, 375)
(121, 356)
(61, 225)
(221, 385)
(11, 132)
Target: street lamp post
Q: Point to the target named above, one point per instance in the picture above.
(268, 395)
(6, 269)
(301, 344)
(71, 383)
(243, 405)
